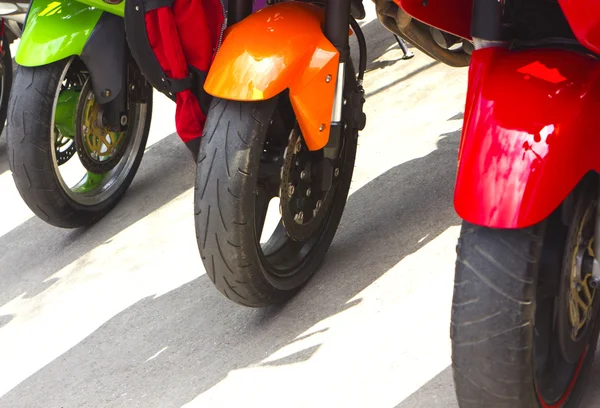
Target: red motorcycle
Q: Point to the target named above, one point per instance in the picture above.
(524, 314)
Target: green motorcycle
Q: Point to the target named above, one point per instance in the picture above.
(79, 111)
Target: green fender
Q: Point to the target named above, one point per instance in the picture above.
(59, 29)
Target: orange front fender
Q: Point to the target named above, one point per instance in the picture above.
(280, 47)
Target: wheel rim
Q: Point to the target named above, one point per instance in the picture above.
(565, 321)
(287, 251)
(84, 187)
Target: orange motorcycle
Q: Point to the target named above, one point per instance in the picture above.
(283, 126)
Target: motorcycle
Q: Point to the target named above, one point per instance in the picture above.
(283, 125)
(79, 112)
(282, 132)
(12, 17)
(525, 308)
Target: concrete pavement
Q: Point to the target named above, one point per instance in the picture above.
(121, 314)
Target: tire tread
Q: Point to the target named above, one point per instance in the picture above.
(493, 309)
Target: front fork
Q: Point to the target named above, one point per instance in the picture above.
(337, 16)
(335, 28)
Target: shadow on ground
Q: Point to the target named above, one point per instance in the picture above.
(437, 393)
(379, 42)
(204, 337)
(167, 170)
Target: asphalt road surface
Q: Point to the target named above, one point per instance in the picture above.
(122, 314)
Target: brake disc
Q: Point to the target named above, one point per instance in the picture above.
(64, 148)
(302, 203)
(99, 149)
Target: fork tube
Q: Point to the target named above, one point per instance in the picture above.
(237, 10)
(337, 22)
(487, 27)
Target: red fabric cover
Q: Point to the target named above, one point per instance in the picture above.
(185, 34)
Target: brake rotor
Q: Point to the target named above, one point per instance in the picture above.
(64, 148)
(578, 296)
(99, 149)
(302, 203)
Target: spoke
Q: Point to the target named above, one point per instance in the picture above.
(89, 182)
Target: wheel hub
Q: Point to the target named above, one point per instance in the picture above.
(303, 204)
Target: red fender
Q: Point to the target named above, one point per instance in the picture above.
(531, 132)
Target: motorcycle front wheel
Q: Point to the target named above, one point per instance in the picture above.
(524, 313)
(69, 169)
(252, 155)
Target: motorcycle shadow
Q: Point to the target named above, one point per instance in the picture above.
(380, 41)
(167, 171)
(436, 393)
(168, 350)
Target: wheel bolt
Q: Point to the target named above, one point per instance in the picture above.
(595, 282)
(336, 172)
(85, 129)
(308, 192)
(291, 190)
(298, 147)
(303, 174)
(299, 217)
(90, 96)
(319, 204)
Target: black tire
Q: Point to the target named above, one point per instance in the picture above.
(31, 157)
(225, 205)
(6, 82)
(506, 281)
